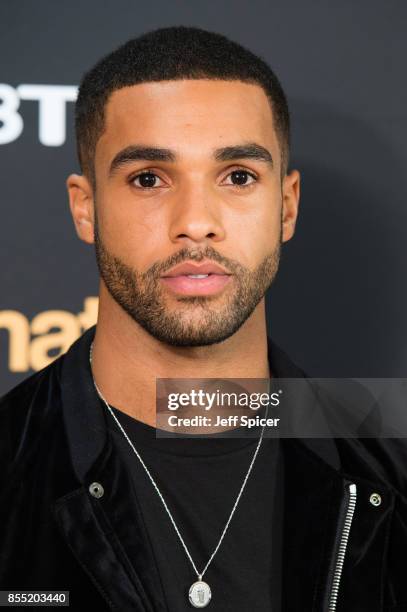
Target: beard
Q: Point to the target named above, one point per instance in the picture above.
(199, 320)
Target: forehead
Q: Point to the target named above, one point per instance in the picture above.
(191, 116)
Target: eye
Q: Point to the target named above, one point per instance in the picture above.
(242, 178)
(146, 180)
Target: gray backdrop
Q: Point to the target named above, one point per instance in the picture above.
(339, 302)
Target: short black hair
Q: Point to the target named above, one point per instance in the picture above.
(172, 53)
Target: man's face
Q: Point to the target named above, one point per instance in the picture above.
(188, 172)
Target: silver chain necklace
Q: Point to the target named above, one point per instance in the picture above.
(199, 592)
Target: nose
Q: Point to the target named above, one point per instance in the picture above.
(196, 216)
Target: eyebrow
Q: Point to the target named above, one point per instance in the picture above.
(250, 150)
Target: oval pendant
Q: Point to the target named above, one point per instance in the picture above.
(200, 594)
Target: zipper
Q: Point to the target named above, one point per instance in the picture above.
(343, 543)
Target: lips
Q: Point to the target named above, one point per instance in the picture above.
(196, 279)
(185, 269)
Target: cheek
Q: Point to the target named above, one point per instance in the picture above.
(136, 236)
(261, 219)
(255, 232)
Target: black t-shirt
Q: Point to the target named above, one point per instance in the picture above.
(200, 480)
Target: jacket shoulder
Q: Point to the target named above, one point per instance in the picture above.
(24, 411)
(357, 423)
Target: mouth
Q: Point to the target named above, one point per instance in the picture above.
(197, 284)
(190, 278)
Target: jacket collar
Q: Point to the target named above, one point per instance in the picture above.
(84, 421)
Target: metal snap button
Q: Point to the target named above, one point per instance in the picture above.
(96, 489)
(375, 499)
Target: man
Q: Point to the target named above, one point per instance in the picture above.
(183, 141)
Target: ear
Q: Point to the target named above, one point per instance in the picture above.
(81, 203)
(291, 199)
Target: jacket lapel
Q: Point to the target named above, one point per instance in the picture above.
(83, 527)
(313, 493)
(315, 497)
(105, 536)
(95, 528)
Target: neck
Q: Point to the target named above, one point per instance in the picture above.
(126, 360)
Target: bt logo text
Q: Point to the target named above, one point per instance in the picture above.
(52, 100)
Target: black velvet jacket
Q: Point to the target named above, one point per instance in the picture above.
(56, 535)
